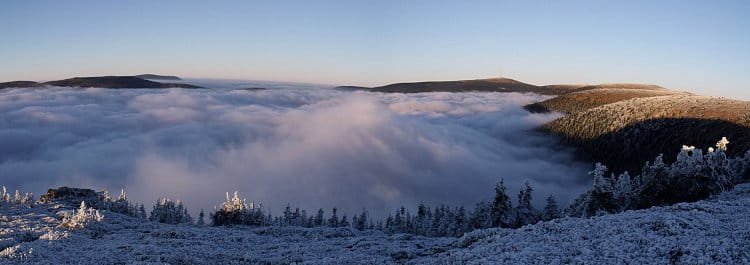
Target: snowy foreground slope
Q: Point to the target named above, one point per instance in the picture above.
(714, 231)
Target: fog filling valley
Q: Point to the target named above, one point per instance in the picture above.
(311, 147)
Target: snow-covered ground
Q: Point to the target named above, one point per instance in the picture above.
(714, 231)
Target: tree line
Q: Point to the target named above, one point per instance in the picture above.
(693, 176)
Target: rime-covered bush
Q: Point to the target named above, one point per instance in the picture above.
(170, 212)
(693, 176)
(82, 218)
(27, 199)
(236, 211)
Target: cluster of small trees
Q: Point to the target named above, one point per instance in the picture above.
(121, 205)
(440, 221)
(693, 176)
(164, 211)
(82, 218)
(170, 212)
(236, 211)
(447, 221)
(6, 199)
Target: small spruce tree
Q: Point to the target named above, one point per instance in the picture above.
(501, 211)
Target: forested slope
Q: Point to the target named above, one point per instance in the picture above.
(626, 133)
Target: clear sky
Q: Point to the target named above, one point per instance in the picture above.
(699, 46)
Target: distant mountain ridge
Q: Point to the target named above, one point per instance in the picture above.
(99, 81)
(483, 85)
(158, 77)
(494, 85)
(115, 82)
(20, 84)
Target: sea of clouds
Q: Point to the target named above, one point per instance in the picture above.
(307, 146)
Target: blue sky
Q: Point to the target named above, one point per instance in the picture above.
(699, 46)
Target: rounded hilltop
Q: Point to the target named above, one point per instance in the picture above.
(139, 81)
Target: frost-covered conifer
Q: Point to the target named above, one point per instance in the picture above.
(201, 215)
(5, 195)
(142, 212)
(460, 222)
(525, 212)
(287, 218)
(623, 189)
(318, 221)
(722, 144)
(482, 216)
(106, 198)
(334, 221)
(28, 199)
(601, 183)
(360, 223)
(551, 211)
(344, 222)
(501, 210)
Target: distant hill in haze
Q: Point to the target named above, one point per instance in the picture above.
(494, 85)
(115, 82)
(158, 77)
(20, 84)
(484, 85)
(99, 81)
(104, 82)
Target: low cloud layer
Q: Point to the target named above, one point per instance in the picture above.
(309, 147)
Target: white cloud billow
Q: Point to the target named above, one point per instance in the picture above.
(310, 147)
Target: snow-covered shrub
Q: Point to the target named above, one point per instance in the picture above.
(170, 212)
(82, 218)
(236, 211)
